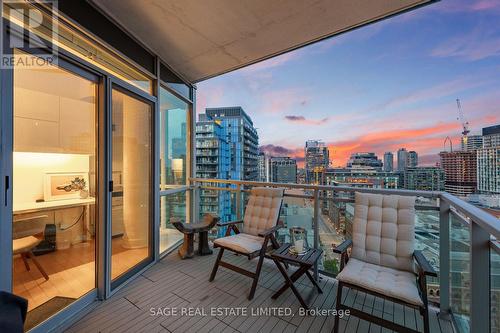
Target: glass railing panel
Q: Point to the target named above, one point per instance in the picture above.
(495, 287)
(332, 229)
(172, 206)
(216, 199)
(296, 211)
(460, 273)
(427, 241)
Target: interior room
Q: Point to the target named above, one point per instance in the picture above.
(54, 186)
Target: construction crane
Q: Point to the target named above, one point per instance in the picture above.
(448, 139)
(465, 124)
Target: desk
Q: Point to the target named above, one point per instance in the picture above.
(32, 207)
(35, 207)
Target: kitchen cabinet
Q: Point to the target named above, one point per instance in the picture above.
(33, 135)
(53, 124)
(76, 126)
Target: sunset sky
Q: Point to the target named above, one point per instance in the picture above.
(388, 85)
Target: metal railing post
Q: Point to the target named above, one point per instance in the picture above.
(479, 279)
(316, 229)
(238, 202)
(196, 203)
(444, 258)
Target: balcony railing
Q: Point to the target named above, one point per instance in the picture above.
(459, 239)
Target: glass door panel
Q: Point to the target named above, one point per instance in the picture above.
(54, 187)
(131, 172)
(173, 153)
(173, 140)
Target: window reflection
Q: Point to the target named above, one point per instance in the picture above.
(173, 140)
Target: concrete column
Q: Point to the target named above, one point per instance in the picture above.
(136, 168)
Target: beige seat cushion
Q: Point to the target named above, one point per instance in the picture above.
(384, 280)
(384, 230)
(243, 243)
(24, 244)
(262, 210)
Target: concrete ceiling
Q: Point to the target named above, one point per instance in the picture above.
(201, 39)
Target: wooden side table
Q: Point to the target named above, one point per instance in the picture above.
(305, 262)
(189, 229)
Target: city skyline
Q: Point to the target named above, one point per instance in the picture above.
(367, 91)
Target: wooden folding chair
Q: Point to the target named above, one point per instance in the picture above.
(260, 222)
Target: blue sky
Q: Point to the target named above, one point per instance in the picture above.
(387, 85)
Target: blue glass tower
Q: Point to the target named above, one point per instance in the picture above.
(226, 148)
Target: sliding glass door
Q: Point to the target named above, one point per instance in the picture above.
(131, 208)
(55, 187)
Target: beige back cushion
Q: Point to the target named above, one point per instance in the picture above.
(384, 230)
(262, 210)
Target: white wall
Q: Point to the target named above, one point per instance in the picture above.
(30, 168)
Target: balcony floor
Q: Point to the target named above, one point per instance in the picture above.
(176, 283)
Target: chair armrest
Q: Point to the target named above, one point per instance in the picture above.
(225, 224)
(270, 230)
(342, 248)
(423, 264)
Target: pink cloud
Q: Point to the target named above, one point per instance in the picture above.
(480, 43)
(280, 101)
(304, 121)
(451, 7)
(273, 62)
(210, 96)
(485, 5)
(443, 89)
(467, 5)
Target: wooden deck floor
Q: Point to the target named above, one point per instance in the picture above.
(183, 284)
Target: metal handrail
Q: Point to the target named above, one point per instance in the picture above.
(485, 220)
(495, 245)
(311, 197)
(482, 218)
(425, 194)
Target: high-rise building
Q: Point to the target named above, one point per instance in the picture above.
(262, 167)
(317, 159)
(242, 138)
(388, 162)
(460, 172)
(402, 159)
(491, 136)
(301, 176)
(488, 170)
(471, 142)
(424, 179)
(364, 159)
(412, 159)
(361, 177)
(488, 161)
(282, 170)
(213, 161)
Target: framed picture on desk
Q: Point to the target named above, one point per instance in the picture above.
(64, 185)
